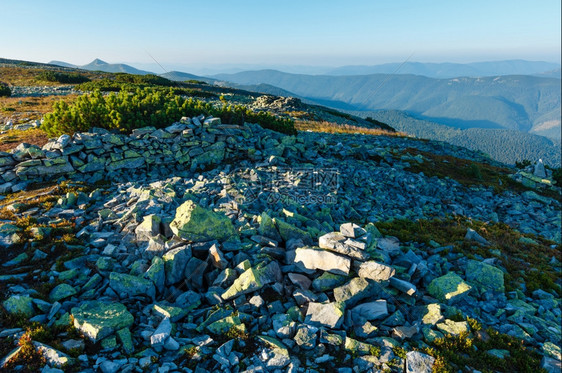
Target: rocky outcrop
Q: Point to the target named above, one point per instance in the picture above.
(236, 256)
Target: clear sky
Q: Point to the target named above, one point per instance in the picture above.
(303, 32)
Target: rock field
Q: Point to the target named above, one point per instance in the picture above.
(214, 247)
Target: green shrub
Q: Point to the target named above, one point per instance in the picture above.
(556, 175)
(125, 111)
(149, 79)
(474, 172)
(524, 163)
(5, 91)
(64, 78)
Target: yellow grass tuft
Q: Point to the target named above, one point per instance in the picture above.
(329, 127)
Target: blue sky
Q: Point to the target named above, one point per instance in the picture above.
(304, 32)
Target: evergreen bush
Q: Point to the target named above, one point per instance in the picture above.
(5, 91)
(63, 78)
(125, 111)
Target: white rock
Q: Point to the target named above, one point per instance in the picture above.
(322, 259)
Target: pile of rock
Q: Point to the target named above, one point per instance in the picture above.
(191, 144)
(193, 272)
(20, 126)
(34, 91)
(277, 104)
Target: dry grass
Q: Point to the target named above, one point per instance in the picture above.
(329, 127)
(24, 109)
(20, 76)
(13, 138)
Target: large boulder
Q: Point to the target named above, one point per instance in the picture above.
(321, 259)
(131, 285)
(354, 291)
(370, 310)
(484, 276)
(195, 223)
(449, 288)
(418, 362)
(149, 228)
(338, 243)
(253, 279)
(329, 315)
(97, 320)
(175, 261)
(19, 304)
(375, 271)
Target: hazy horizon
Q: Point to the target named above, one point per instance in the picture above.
(293, 33)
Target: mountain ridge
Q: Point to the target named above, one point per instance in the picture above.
(450, 70)
(100, 65)
(518, 100)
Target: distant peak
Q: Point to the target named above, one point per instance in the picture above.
(97, 61)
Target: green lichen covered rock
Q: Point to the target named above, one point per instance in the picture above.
(328, 281)
(449, 288)
(484, 276)
(131, 285)
(356, 347)
(431, 314)
(98, 320)
(126, 339)
(224, 325)
(195, 223)
(289, 231)
(267, 227)
(253, 279)
(453, 327)
(19, 304)
(61, 291)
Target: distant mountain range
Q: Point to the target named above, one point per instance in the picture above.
(453, 70)
(99, 65)
(515, 102)
(182, 77)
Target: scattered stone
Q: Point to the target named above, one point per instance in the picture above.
(61, 291)
(150, 227)
(375, 271)
(403, 286)
(418, 362)
(97, 319)
(175, 261)
(336, 242)
(370, 311)
(472, 235)
(453, 327)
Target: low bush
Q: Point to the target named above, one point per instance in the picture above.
(125, 111)
(112, 85)
(5, 91)
(63, 78)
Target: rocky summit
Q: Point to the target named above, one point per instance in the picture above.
(208, 247)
